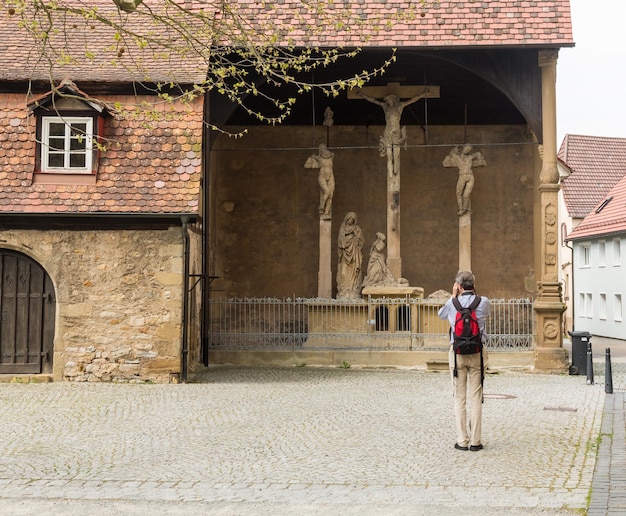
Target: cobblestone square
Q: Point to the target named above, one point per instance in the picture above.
(299, 441)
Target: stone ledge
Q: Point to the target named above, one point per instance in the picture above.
(498, 360)
(393, 291)
(25, 378)
(437, 365)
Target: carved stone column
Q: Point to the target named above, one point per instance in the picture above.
(394, 261)
(465, 242)
(549, 307)
(324, 275)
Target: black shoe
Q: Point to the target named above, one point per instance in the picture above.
(459, 447)
(476, 448)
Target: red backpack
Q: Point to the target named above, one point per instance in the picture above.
(467, 334)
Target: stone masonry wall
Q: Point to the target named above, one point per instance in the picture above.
(266, 223)
(119, 301)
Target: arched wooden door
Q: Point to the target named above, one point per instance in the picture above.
(27, 310)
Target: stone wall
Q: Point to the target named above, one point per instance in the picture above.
(265, 234)
(119, 301)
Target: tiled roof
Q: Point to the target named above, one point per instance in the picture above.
(438, 24)
(597, 164)
(152, 170)
(608, 217)
(78, 37)
(444, 24)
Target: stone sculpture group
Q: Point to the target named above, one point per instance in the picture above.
(350, 240)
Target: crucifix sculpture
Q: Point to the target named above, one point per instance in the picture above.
(393, 137)
(323, 161)
(464, 160)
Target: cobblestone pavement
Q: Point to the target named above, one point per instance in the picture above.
(260, 441)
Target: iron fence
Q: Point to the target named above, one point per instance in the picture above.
(398, 323)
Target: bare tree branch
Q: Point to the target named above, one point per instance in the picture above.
(185, 48)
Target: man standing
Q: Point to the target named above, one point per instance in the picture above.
(467, 370)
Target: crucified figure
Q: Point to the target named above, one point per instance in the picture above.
(464, 161)
(394, 135)
(326, 179)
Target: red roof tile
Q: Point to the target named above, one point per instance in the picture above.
(144, 169)
(78, 37)
(607, 218)
(444, 24)
(597, 164)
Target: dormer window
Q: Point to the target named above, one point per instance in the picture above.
(69, 125)
(67, 144)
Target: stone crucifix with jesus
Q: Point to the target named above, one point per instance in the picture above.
(390, 98)
(464, 160)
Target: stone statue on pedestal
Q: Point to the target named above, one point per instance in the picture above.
(326, 179)
(464, 160)
(350, 258)
(377, 271)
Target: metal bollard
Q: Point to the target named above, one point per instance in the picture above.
(589, 365)
(608, 374)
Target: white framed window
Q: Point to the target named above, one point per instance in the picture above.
(601, 253)
(581, 303)
(67, 144)
(617, 307)
(585, 255)
(617, 252)
(602, 306)
(589, 305)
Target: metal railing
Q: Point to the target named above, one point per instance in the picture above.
(399, 323)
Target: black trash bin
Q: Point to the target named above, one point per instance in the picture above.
(580, 341)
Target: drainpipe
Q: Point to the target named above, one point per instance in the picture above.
(185, 334)
(573, 290)
(206, 184)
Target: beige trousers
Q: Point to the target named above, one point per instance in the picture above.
(467, 390)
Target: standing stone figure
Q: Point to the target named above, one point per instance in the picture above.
(394, 135)
(350, 258)
(326, 179)
(377, 271)
(464, 160)
(328, 117)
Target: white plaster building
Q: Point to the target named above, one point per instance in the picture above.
(599, 267)
(589, 166)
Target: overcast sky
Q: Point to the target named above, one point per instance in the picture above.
(591, 77)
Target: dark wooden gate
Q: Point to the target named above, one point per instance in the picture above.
(27, 310)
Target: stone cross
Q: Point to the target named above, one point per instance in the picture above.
(393, 137)
(464, 160)
(323, 161)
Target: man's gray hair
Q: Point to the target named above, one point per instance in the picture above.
(465, 279)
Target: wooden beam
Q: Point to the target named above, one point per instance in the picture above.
(394, 88)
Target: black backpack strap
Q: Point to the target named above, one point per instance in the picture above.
(482, 376)
(474, 304)
(458, 307)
